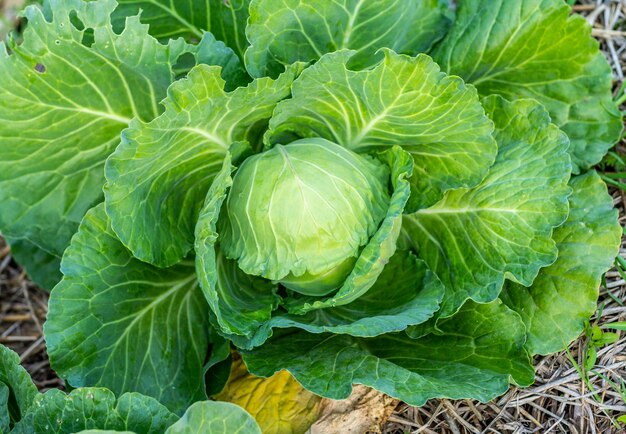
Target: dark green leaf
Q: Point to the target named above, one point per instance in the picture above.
(17, 391)
(479, 351)
(120, 323)
(42, 267)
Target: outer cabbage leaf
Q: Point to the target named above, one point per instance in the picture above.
(536, 49)
(474, 238)
(117, 322)
(42, 267)
(479, 350)
(405, 294)
(62, 107)
(285, 31)
(279, 404)
(94, 408)
(215, 418)
(17, 391)
(159, 175)
(565, 294)
(401, 101)
(190, 18)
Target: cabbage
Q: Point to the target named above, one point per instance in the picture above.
(376, 192)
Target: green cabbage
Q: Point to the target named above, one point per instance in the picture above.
(379, 192)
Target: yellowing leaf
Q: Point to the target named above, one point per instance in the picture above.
(279, 404)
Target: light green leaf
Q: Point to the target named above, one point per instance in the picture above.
(380, 248)
(480, 350)
(215, 418)
(618, 325)
(285, 31)
(99, 431)
(302, 211)
(62, 107)
(474, 238)
(42, 267)
(159, 175)
(190, 19)
(17, 391)
(241, 302)
(120, 323)
(94, 408)
(401, 101)
(565, 294)
(537, 49)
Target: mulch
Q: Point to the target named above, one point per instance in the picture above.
(23, 308)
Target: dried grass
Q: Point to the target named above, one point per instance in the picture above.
(23, 309)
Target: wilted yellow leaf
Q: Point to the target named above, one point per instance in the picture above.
(279, 404)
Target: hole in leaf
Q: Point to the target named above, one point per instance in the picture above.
(21, 25)
(88, 38)
(76, 22)
(40, 68)
(357, 62)
(183, 64)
